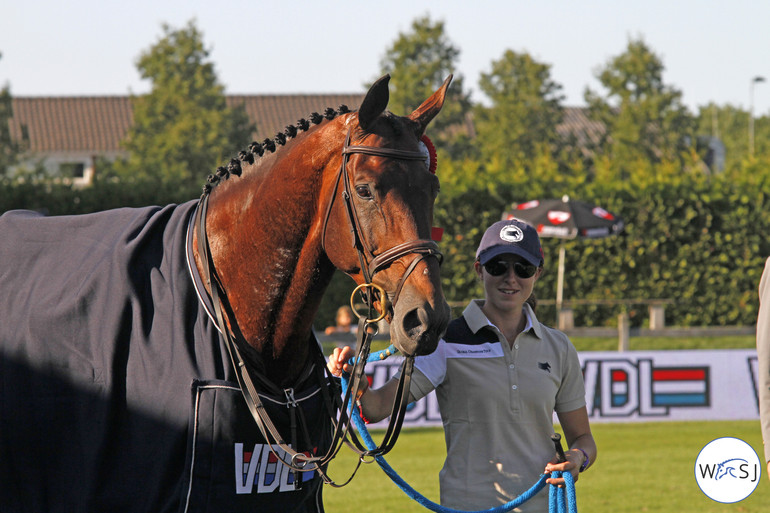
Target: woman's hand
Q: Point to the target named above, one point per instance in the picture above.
(338, 360)
(577, 432)
(575, 459)
(338, 363)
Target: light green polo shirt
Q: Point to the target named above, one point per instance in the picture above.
(497, 406)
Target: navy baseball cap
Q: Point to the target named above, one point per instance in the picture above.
(512, 236)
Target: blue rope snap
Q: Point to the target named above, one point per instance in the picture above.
(560, 500)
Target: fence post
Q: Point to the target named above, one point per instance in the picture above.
(624, 330)
(657, 316)
(566, 319)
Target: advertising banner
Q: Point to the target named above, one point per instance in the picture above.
(671, 385)
(637, 386)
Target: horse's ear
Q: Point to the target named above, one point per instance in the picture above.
(425, 113)
(374, 103)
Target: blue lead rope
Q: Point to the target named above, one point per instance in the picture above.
(560, 500)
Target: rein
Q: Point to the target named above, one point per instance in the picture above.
(370, 265)
(299, 461)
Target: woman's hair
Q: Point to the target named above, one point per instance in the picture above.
(344, 310)
(532, 301)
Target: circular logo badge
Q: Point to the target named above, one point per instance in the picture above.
(511, 233)
(727, 470)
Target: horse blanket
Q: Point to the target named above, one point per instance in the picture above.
(116, 390)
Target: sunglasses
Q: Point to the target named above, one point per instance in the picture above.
(498, 267)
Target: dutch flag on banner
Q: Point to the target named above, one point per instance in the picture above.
(680, 386)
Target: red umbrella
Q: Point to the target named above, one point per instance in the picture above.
(566, 218)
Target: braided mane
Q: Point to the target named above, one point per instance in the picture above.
(256, 149)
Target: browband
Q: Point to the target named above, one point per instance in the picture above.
(384, 152)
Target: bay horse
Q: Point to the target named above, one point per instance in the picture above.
(139, 346)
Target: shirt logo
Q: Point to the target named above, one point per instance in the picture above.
(544, 366)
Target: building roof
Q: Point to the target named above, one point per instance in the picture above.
(97, 124)
(72, 124)
(577, 123)
(273, 112)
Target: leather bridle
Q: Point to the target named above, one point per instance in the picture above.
(370, 265)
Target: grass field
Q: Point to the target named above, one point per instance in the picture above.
(665, 343)
(636, 343)
(642, 467)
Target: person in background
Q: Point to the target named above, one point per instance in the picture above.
(763, 359)
(499, 375)
(343, 320)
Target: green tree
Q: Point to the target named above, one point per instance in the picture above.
(418, 62)
(525, 109)
(731, 126)
(10, 148)
(645, 118)
(183, 128)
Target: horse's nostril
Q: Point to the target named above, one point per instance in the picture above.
(415, 322)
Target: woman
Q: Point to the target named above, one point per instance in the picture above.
(343, 320)
(499, 374)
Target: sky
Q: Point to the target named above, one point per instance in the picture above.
(711, 49)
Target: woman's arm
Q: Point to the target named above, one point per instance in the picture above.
(580, 441)
(376, 403)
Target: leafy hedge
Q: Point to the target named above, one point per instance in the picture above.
(60, 199)
(698, 242)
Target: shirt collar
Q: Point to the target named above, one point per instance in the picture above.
(476, 319)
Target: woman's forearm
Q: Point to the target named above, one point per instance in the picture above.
(376, 404)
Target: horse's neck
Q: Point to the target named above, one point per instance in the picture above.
(266, 246)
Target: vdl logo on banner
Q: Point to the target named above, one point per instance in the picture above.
(727, 470)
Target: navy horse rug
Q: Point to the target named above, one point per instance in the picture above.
(116, 389)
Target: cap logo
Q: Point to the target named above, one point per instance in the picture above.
(512, 233)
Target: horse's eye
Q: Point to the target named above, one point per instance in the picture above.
(363, 191)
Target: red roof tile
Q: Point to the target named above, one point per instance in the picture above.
(97, 124)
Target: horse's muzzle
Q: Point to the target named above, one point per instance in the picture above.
(418, 323)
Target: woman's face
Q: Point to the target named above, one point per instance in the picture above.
(344, 318)
(504, 287)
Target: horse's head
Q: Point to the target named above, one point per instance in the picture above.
(378, 227)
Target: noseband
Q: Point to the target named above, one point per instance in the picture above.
(370, 264)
